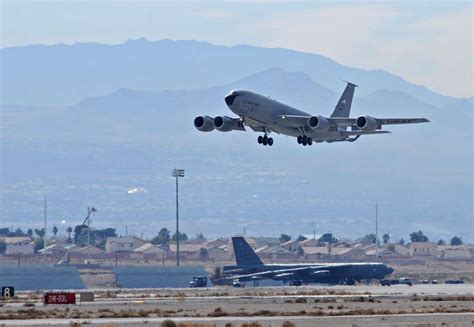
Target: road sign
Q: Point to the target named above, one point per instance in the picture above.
(60, 298)
(8, 292)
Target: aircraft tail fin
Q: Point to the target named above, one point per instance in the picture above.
(244, 254)
(343, 107)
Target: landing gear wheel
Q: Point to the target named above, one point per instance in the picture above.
(304, 141)
(310, 141)
(299, 139)
(260, 139)
(265, 140)
(270, 141)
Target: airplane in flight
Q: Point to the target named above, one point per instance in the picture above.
(250, 268)
(266, 115)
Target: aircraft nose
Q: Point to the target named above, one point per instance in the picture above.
(229, 100)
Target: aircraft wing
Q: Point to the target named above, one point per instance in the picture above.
(300, 121)
(381, 121)
(287, 273)
(270, 273)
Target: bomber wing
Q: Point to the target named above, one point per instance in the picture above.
(283, 273)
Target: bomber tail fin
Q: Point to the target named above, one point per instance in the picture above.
(244, 254)
(343, 107)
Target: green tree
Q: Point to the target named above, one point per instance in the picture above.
(284, 238)
(200, 238)
(69, 231)
(391, 247)
(401, 242)
(367, 239)
(386, 238)
(182, 237)
(29, 232)
(441, 242)
(328, 238)
(39, 232)
(55, 230)
(301, 238)
(456, 240)
(39, 244)
(3, 246)
(4, 231)
(300, 251)
(163, 238)
(418, 237)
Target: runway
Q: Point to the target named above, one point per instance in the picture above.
(367, 305)
(433, 319)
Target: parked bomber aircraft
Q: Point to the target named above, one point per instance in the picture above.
(250, 268)
(266, 115)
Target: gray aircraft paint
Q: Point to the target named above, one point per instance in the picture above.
(263, 114)
(249, 267)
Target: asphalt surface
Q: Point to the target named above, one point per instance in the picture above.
(432, 319)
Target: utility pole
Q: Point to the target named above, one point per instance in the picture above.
(45, 222)
(176, 174)
(376, 229)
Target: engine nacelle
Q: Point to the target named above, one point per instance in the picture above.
(226, 124)
(204, 123)
(318, 123)
(367, 123)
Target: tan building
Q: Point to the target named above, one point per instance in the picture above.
(122, 244)
(422, 249)
(19, 245)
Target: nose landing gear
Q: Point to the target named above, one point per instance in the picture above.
(303, 139)
(265, 140)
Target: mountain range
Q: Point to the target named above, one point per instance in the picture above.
(85, 123)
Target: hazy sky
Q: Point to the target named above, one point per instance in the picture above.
(429, 43)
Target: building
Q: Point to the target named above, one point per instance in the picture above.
(88, 249)
(123, 244)
(276, 253)
(19, 245)
(423, 249)
(310, 242)
(461, 252)
(151, 249)
(291, 245)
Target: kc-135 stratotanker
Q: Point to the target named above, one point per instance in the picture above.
(266, 115)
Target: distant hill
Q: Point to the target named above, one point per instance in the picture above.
(94, 151)
(58, 75)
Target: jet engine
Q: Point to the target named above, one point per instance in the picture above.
(367, 123)
(318, 123)
(204, 123)
(227, 124)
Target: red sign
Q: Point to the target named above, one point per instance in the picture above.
(60, 298)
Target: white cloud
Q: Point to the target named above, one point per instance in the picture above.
(435, 50)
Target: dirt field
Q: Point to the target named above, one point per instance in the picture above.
(306, 306)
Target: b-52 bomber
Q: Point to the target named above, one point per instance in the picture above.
(250, 268)
(266, 115)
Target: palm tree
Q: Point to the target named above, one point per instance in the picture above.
(386, 238)
(55, 230)
(69, 231)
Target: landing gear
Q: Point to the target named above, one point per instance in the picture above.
(265, 140)
(295, 282)
(303, 139)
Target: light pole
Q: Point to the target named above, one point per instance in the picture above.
(176, 174)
